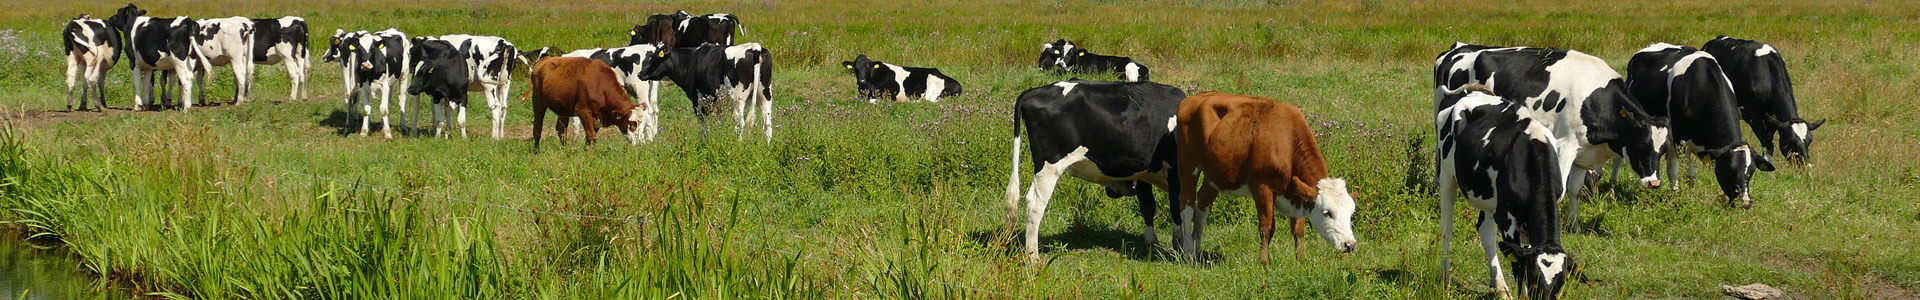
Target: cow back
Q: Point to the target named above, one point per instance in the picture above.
(1124, 125)
(1229, 134)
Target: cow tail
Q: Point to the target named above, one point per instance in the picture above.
(1013, 176)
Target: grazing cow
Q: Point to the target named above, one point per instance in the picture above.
(627, 63)
(376, 61)
(877, 79)
(659, 30)
(1075, 59)
(708, 29)
(1687, 86)
(1506, 163)
(584, 88)
(1050, 53)
(1578, 96)
(1116, 134)
(227, 41)
(92, 47)
(490, 61)
(156, 45)
(741, 73)
(1765, 91)
(1252, 146)
(283, 41)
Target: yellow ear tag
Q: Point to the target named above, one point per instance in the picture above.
(430, 70)
(1625, 114)
(876, 67)
(630, 32)
(352, 47)
(381, 46)
(661, 53)
(849, 66)
(1083, 54)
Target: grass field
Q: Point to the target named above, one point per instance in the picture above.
(851, 200)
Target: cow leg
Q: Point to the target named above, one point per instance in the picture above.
(296, 77)
(73, 70)
(1299, 238)
(187, 84)
(766, 113)
(366, 110)
(1143, 191)
(142, 89)
(1449, 188)
(461, 118)
(1013, 188)
(560, 127)
(740, 115)
(1038, 194)
(589, 127)
(386, 116)
(1576, 182)
(575, 122)
(1263, 198)
(1193, 217)
(540, 116)
(1490, 242)
(498, 109)
(98, 82)
(242, 78)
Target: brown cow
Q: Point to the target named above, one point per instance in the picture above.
(579, 87)
(1260, 147)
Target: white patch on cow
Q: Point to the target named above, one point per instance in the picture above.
(935, 86)
(1334, 199)
(1800, 131)
(1685, 63)
(740, 51)
(1513, 225)
(1133, 71)
(900, 80)
(1172, 122)
(1764, 50)
(178, 21)
(1061, 61)
(1065, 87)
(1046, 46)
(1041, 192)
(1657, 47)
(1551, 265)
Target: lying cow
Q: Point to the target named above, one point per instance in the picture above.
(92, 47)
(161, 46)
(1119, 135)
(1687, 86)
(627, 63)
(1251, 146)
(1505, 162)
(1074, 59)
(283, 41)
(1050, 53)
(1578, 96)
(877, 79)
(1760, 81)
(583, 88)
(742, 74)
(227, 42)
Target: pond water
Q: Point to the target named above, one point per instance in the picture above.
(44, 274)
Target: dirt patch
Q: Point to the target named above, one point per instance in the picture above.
(1872, 286)
(41, 118)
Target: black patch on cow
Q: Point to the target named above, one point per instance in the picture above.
(876, 79)
(1764, 90)
(702, 72)
(1700, 105)
(1123, 125)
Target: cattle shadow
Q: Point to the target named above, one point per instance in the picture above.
(1079, 237)
(344, 124)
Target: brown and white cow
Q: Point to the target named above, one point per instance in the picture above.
(1245, 145)
(584, 88)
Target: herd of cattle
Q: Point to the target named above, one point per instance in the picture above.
(1519, 128)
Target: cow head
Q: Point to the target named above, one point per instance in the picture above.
(624, 118)
(1050, 53)
(862, 70)
(1070, 56)
(363, 53)
(123, 19)
(658, 30)
(1796, 136)
(334, 46)
(1332, 214)
(657, 65)
(1733, 166)
(445, 78)
(1542, 270)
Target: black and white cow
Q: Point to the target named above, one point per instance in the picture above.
(1117, 134)
(376, 63)
(708, 29)
(336, 48)
(1578, 96)
(741, 74)
(1687, 86)
(1050, 53)
(490, 62)
(92, 47)
(659, 30)
(1506, 163)
(627, 63)
(1075, 59)
(447, 79)
(224, 42)
(1765, 91)
(283, 41)
(877, 79)
(156, 45)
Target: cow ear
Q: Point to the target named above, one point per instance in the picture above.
(848, 64)
(1761, 161)
(1816, 125)
(633, 32)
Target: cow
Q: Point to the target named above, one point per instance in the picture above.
(283, 41)
(376, 61)
(1074, 59)
(584, 88)
(157, 45)
(224, 42)
(708, 29)
(446, 80)
(1050, 53)
(1504, 160)
(1578, 96)
(877, 79)
(1116, 134)
(627, 63)
(1253, 146)
(740, 73)
(659, 30)
(336, 46)
(490, 61)
(1687, 86)
(92, 47)
(1760, 81)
